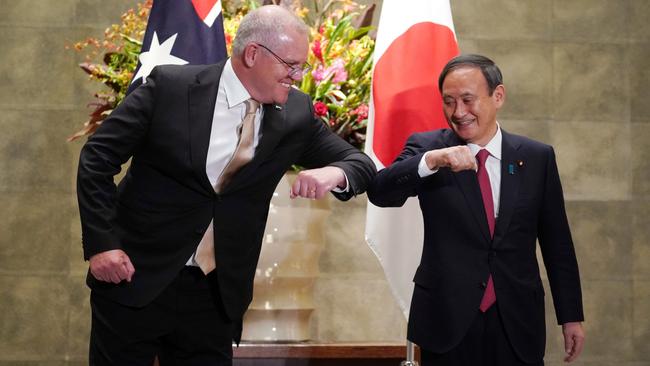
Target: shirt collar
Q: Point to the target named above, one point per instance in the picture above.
(493, 147)
(235, 91)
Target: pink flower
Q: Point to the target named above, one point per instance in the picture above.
(320, 109)
(338, 69)
(319, 73)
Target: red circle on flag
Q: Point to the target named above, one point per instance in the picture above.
(405, 87)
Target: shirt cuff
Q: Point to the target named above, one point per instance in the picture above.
(423, 168)
(337, 189)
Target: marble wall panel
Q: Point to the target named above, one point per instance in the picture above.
(638, 224)
(641, 320)
(33, 317)
(35, 232)
(53, 13)
(592, 159)
(590, 83)
(638, 75)
(36, 154)
(35, 69)
(590, 20)
(639, 27)
(502, 19)
(602, 239)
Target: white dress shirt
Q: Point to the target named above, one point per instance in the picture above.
(227, 117)
(493, 166)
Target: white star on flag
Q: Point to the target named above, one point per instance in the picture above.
(158, 54)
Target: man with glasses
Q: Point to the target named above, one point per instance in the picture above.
(173, 248)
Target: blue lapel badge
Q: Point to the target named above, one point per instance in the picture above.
(511, 167)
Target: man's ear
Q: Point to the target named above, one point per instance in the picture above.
(250, 55)
(499, 95)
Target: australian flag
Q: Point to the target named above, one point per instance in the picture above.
(181, 32)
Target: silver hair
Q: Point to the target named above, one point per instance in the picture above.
(264, 25)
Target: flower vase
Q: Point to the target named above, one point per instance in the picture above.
(283, 300)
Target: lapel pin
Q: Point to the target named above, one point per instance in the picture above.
(520, 163)
(511, 169)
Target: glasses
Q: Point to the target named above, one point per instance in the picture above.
(301, 70)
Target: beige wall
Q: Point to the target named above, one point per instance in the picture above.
(576, 76)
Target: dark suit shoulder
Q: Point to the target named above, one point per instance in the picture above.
(529, 144)
(433, 139)
(297, 98)
(185, 73)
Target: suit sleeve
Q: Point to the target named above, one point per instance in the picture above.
(557, 249)
(101, 159)
(327, 149)
(396, 183)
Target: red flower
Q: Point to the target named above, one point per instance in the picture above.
(318, 52)
(320, 109)
(361, 112)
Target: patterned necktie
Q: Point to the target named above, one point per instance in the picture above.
(489, 296)
(243, 154)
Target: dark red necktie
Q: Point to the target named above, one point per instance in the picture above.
(489, 296)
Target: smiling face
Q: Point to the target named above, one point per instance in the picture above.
(270, 79)
(469, 108)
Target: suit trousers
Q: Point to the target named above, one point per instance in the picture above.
(485, 344)
(182, 326)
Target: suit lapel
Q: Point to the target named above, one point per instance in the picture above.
(510, 182)
(272, 130)
(468, 183)
(202, 96)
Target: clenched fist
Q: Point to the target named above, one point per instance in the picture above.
(112, 266)
(457, 158)
(315, 183)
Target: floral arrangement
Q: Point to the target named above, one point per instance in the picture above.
(119, 51)
(340, 53)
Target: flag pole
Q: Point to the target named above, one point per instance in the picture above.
(410, 355)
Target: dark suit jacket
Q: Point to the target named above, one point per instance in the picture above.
(161, 208)
(458, 254)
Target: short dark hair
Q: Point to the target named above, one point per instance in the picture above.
(489, 69)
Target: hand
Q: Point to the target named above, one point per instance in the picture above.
(457, 158)
(112, 266)
(316, 183)
(574, 340)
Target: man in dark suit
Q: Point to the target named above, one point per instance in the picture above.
(205, 161)
(486, 197)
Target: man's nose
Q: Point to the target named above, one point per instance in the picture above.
(460, 110)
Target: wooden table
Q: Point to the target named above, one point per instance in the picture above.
(320, 354)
